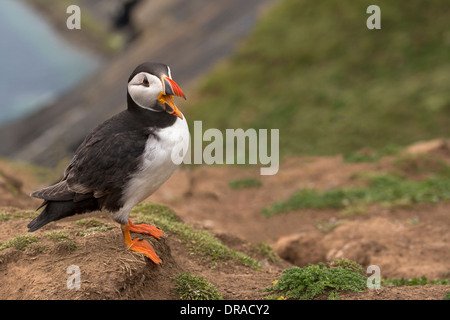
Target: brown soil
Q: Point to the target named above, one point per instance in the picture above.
(408, 241)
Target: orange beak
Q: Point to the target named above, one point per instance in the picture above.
(171, 89)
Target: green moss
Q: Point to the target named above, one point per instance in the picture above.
(89, 223)
(245, 183)
(66, 245)
(20, 242)
(417, 281)
(267, 252)
(57, 235)
(192, 287)
(368, 155)
(102, 228)
(199, 241)
(349, 264)
(8, 213)
(62, 239)
(309, 282)
(387, 189)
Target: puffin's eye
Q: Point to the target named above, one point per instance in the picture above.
(145, 82)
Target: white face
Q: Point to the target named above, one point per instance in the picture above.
(144, 89)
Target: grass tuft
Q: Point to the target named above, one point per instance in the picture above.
(421, 281)
(20, 242)
(192, 287)
(199, 241)
(245, 183)
(386, 189)
(9, 213)
(309, 282)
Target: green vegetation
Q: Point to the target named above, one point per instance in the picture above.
(349, 264)
(62, 240)
(89, 223)
(368, 155)
(245, 183)
(266, 251)
(388, 189)
(20, 242)
(313, 70)
(422, 281)
(57, 235)
(191, 287)
(199, 241)
(92, 230)
(92, 226)
(13, 213)
(309, 282)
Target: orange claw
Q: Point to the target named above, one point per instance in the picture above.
(139, 245)
(146, 229)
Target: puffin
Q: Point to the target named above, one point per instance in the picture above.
(125, 159)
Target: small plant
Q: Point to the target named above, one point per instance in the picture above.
(422, 281)
(368, 155)
(62, 240)
(57, 235)
(66, 245)
(89, 223)
(314, 199)
(308, 282)
(92, 230)
(192, 287)
(13, 213)
(266, 251)
(92, 226)
(245, 183)
(349, 264)
(20, 242)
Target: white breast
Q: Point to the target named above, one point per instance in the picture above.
(159, 161)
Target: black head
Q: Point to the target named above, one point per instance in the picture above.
(151, 87)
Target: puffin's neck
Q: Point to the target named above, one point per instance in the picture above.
(149, 118)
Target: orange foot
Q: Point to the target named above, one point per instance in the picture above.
(140, 245)
(146, 229)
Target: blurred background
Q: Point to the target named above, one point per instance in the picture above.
(363, 117)
(311, 69)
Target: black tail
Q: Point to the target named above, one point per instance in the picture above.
(56, 210)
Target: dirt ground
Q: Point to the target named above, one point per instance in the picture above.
(404, 241)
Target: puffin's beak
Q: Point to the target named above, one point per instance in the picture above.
(171, 89)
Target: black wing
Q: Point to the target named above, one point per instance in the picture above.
(101, 167)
